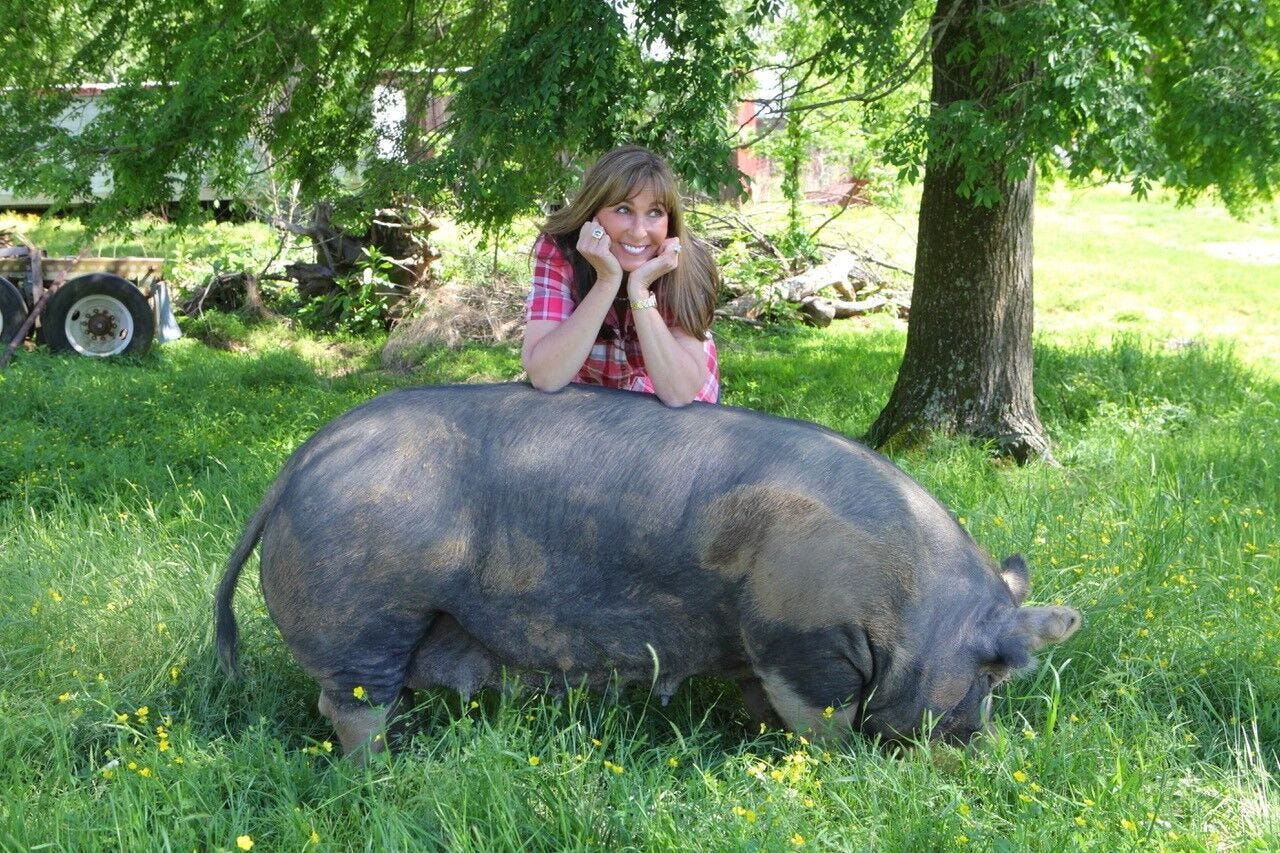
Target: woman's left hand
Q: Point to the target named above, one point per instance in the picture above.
(639, 282)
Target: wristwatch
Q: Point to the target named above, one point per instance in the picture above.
(641, 304)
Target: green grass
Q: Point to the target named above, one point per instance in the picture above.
(1107, 266)
(123, 487)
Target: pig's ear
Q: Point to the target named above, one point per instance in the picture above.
(1014, 573)
(1045, 625)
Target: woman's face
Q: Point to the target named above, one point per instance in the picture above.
(636, 228)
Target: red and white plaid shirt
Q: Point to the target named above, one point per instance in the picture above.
(615, 363)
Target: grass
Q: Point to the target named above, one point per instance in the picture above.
(123, 486)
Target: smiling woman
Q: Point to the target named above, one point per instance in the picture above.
(623, 229)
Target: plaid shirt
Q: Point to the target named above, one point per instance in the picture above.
(615, 363)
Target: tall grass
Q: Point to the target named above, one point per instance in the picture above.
(123, 487)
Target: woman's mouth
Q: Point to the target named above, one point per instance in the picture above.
(633, 250)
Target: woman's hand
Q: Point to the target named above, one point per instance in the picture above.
(596, 250)
(667, 259)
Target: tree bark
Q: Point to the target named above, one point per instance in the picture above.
(967, 366)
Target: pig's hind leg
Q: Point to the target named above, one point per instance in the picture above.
(363, 729)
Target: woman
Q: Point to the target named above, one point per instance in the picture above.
(622, 295)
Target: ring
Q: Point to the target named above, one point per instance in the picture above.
(676, 248)
(597, 232)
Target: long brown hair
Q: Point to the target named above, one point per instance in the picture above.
(688, 293)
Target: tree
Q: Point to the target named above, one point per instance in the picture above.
(1184, 94)
(213, 93)
(569, 79)
(537, 86)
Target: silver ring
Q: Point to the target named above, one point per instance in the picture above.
(676, 248)
(597, 232)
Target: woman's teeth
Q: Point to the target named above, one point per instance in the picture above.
(633, 250)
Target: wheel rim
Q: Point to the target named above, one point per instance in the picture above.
(99, 325)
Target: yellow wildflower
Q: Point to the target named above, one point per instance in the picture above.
(673, 761)
(828, 712)
(315, 837)
(359, 693)
(1019, 776)
(534, 760)
(797, 840)
(244, 842)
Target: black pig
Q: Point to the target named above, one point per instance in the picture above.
(444, 535)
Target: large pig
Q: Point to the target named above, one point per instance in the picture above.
(442, 535)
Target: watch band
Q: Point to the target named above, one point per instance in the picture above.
(641, 304)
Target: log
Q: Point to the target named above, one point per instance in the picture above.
(817, 311)
(845, 308)
(834, 272)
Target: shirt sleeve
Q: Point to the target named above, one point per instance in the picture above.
(710, 392)
(551, 297)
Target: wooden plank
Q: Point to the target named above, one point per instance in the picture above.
(134, 269)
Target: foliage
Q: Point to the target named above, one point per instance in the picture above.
(212, 93)
(838, 111)
(744, 268)
(1100, 89)
(1153, 92)
(560, 86)
(360, 304)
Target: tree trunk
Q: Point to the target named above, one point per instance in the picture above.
(967, 365)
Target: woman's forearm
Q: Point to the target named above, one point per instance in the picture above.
(677, 366)
(553, 355)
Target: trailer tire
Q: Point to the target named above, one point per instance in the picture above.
(12, 310)
(98, 315)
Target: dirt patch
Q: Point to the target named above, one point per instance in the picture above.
(1263, 252)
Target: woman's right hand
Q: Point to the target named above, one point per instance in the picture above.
(596, 251)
